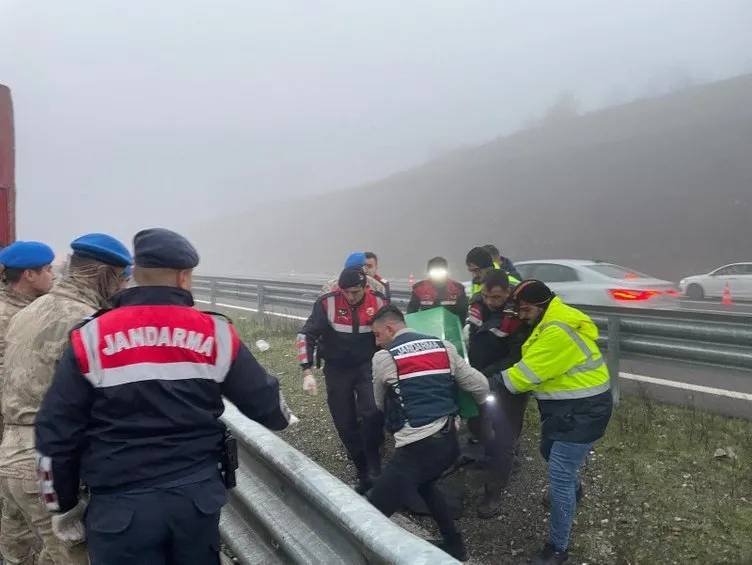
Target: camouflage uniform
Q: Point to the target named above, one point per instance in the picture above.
(35, 341)
(372, 282)
(10, 303)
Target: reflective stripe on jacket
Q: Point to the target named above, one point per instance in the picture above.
(560, 359)
(477, 287)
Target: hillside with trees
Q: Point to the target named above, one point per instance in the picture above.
(661, 185)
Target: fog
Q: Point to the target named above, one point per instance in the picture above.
(176, 113)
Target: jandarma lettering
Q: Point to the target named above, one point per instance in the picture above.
(152, 336)
(416, 346)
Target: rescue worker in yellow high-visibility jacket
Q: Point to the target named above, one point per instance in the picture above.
(565, 371)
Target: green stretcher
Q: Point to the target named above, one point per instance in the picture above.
(442, 323)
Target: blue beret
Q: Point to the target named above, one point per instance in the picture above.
(159, 248)
(26, 255)
(357, 259)
(103, 248)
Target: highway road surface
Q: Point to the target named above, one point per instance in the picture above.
(715, 389)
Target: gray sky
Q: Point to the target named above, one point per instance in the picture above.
(135, 114)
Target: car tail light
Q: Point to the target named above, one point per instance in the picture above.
(673, 292)
(631, 295)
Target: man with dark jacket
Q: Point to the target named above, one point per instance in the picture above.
(439, 290)
(415, 378)
(339, 328)
(504, 263)
(133, 411)
(495, 344)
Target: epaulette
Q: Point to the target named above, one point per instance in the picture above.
(225, 316)
(88, 319)
(327, 294)
(378, 294)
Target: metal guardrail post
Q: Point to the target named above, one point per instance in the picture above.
(213, 291)
(613, 353)
(260, 299)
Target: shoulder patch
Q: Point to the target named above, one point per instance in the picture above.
(378, 294)
(210, 313)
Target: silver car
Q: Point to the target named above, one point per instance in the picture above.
(597, 283)
(737, 277)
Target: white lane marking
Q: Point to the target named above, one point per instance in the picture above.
(688, 386)
(246, 309)
(629, 376)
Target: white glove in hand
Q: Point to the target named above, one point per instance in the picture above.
(69, 526)
(309, 384)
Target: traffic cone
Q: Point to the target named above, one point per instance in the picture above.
(727, 295)
(411, 280)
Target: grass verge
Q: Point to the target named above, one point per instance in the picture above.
(658, 490)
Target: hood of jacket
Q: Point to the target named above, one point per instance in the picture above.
(580, 322)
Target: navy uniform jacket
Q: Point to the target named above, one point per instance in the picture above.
(340, 331)
(136, 398)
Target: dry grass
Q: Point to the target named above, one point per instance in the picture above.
(655, 492)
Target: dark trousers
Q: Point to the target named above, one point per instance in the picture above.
(416, 467)
(157, 526)
(359, 422)
(506, 416)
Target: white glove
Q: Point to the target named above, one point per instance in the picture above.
(69, 526)
(309, 384)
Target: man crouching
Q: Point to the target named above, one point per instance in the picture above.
(415, 380)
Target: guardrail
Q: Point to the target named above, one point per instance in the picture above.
(686, 336)
(288, 510)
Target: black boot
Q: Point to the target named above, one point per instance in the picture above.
(454, 546)
(549, 556)
(363, 481)
(374, 464)
(546, 499)
(490, 506)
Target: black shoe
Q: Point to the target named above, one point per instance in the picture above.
(546, 500)
(490, 507)
(455, 548)
(363, 484)
(549, 556)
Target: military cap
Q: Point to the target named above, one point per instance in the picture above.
(357, 259)
(26, 255)
(159, 248)
(103, 248)
(351, 276)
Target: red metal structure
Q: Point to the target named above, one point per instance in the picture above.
(7, 170)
